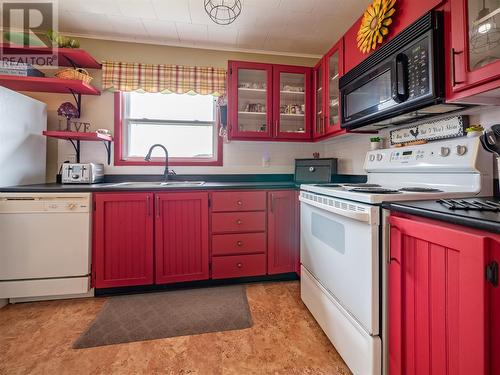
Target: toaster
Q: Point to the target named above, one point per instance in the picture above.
(82, 173)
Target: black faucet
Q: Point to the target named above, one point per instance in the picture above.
(148, 158)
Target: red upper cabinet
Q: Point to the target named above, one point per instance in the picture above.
(407, 12)
(292, 102)
(181, 237)
(326, 107)
(123, 239)
(319, 99)
(269, 102)
(475, 44)
(250, 100)
(282, 237)
(439, 299)
(334, 69)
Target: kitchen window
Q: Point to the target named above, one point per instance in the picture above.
(185, 124)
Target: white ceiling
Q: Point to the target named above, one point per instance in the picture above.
(295, 27)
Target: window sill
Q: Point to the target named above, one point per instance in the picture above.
(171, 162)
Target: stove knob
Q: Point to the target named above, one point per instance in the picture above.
(461, 150)
(312, 169)
(380, 157)
(444, 152)
(372, 157)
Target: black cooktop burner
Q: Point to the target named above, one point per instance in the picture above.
(362, 185)
(412, 189)
(470, 205)
(329, 185)
(375, 190)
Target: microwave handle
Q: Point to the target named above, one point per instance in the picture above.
(400, 78)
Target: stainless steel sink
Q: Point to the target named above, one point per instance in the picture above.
(147, 184)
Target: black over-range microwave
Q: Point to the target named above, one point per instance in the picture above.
(401, 82)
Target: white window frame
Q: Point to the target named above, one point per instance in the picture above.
(127, 121)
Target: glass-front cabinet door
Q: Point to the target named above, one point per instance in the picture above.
(291, 111)
(318, 87)
(475, 42)
(250, 100)
(334, 69)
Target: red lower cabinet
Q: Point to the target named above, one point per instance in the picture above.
(227, 267)
(123, 239)
(440, 300)
(283, 236)
(181, 237)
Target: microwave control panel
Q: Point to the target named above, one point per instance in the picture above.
(418, 69)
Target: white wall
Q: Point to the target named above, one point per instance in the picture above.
(239, 157)
(246, 157)
(351, 149)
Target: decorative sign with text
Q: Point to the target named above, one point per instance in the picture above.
(450, 127)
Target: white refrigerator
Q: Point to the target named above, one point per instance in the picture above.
(22, 145)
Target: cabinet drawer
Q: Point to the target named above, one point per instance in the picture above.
(238, 266)
(230, 244)
(239, 201)
(239, 222)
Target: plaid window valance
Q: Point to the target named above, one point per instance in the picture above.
(120, 76)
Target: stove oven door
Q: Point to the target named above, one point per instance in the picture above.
(340, 249)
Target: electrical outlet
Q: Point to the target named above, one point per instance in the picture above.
(266, 161)
(68, 157)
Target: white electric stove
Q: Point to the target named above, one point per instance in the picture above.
(344, 237)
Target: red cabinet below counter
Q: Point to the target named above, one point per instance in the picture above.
(123, 239)
(181, 237)
(443, 311)
(283, 236)
(227, 267)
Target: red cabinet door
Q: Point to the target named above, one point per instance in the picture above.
(292, 102)
(437, 299)
(475, 47)
(123, 239)
(319, 112)
(283, 244)
(181, 237)
(334, 69)
(250, 100)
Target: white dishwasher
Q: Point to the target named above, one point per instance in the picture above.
(45, 245)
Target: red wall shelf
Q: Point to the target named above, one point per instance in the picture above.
(76, 137)
(81, 136)
(44, 84)
(74, 57)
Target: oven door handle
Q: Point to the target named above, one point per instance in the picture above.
(364, 217)
(399, 77)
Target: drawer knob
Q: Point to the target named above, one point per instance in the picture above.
(239, 203)
(239, 265)
(239, 222)
(239, 243)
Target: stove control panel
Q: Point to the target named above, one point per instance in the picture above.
(450, 155)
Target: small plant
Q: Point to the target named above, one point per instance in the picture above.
(375, 139)
(474, 128)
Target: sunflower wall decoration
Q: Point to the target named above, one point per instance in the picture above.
(374, 26)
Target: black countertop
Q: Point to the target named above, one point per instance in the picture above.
(212, 182)
(484, 220)
(113, 186)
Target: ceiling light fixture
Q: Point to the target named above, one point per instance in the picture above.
(223, 12)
